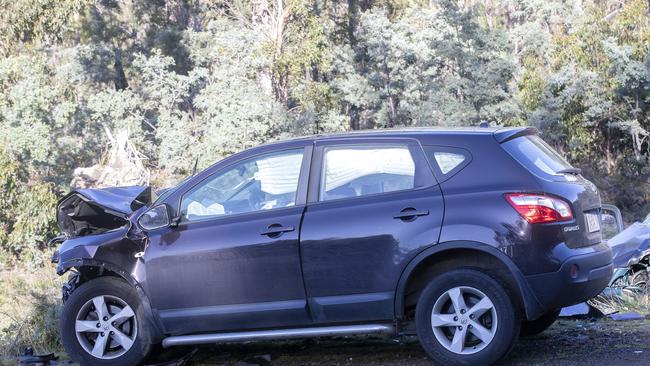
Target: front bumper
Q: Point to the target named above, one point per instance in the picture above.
(579, 278)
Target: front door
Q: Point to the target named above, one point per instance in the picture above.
(373, 205)
(233, 261)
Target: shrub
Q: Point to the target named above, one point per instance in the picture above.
(27, 213)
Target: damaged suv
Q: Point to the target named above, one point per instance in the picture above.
(466, 238)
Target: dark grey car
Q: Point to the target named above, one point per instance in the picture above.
(463, 237)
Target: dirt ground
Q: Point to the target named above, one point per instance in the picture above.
(568, 342)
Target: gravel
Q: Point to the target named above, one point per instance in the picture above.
(567, 342)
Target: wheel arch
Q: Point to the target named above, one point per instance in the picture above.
(89, 269)
(94, 268)
(449, 254)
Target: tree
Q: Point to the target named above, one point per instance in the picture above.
(433, 66)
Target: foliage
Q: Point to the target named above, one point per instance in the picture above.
(36, 22)
(203, 79)
(27, 213)
(431, 67)
(594, 102)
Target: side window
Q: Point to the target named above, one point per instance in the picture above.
(360, 171)
(261, 183)
(446, 161)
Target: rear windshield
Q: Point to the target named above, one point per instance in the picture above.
(535, 154)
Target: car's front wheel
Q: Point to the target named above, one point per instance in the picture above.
(466, 317)
(102, 323)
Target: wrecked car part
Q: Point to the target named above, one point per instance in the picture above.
(172, 357)
(611, 221)
(29, 358)
(626, 286)
(626, 316)
(631, 245)
(93, 211)
(580, 309)
(631, 259)
(71, 285)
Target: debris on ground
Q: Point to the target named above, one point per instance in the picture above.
(581, 309)
(626, 316)
(263, 360)
(29, 358)
(173, 357)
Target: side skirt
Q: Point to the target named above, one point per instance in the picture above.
(278, 334)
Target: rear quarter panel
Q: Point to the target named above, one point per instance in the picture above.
(476, 209)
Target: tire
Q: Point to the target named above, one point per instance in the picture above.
(537, 326)
(79, 315)
(497, 312)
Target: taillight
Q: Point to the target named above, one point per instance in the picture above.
(537, 208)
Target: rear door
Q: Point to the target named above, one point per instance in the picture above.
(373, 205)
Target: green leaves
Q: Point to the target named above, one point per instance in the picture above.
(26, 212)
(205, 79)
(432, 66)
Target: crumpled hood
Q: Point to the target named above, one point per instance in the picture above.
(630, 245)
(91, 211)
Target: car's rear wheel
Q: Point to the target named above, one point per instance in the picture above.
(466, 317)
(103, 323)
(537, 326)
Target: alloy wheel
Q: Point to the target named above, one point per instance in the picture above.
(106, 327)
(464, 320)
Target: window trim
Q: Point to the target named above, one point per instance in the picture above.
(423, 178)
(301, 189)
(433, 163)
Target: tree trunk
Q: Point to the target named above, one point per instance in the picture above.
(120, 77)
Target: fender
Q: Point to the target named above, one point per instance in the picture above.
(155, 325)
(532, 307)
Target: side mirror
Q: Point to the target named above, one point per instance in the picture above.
(155, 218)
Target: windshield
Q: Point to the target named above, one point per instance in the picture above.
(535, 154)
(168, 191)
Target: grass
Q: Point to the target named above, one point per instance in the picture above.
(30, 302)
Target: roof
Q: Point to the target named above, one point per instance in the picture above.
(501, 134)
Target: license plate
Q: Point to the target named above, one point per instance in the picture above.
(593, 222)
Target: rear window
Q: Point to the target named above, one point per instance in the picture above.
(538, 156)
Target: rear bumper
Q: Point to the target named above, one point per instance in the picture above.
(559, 289)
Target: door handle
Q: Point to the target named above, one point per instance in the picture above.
(276, 230)
(410, 213)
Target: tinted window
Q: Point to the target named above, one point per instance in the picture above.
(261, 183)
(360, 171)
(537, 155)
(446, 161)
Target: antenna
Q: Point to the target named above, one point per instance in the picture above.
(484, 124)
(196, 163)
